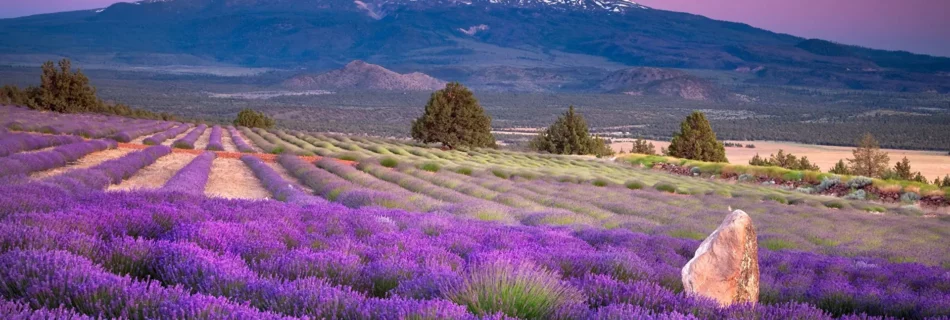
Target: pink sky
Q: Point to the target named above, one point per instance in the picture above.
(913, 25)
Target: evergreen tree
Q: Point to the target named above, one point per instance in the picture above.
(869, 160)
(697, 141)
(758, 161)
(840, 168)
(920, 178)
(902, 170)
(454, 118)
(254, 119)
(570, 135)
(643, 147)
(804, 164)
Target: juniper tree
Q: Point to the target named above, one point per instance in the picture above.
(868, 159)
(570, 135)
(643, 147)
(840, 168)
(454, 118)
(254, 119)
(902, 170)
(697, 141)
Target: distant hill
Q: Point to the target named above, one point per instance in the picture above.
(661, 82)
(359, 75)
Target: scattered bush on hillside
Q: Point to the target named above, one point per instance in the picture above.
(665, 187)
(859, 182)
(868, 159)
(634, 185)
(840, 168)
(828, 183)
(254, 119)
(570, 135)
(454, 118)
(697, 141)
(750, 146)
(783, 160)
(910, 197)
(857, 195)
(464, 170)
(835, 204)
(64, 91)
(600, 182)
(430, 166)
(388, 162)
(642, 147)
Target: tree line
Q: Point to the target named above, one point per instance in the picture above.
(454, 118)
(65, 91)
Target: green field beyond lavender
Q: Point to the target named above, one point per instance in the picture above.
(371, 228)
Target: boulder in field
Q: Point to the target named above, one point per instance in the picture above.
(726, 265)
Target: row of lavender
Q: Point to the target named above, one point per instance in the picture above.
(185, 255)
(87, 125)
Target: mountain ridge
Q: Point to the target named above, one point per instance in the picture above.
(419, 35)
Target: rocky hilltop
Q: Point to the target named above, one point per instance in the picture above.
(359, 75)
(661, 82)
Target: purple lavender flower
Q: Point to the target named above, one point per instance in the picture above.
(193, 177)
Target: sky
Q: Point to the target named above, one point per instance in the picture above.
(919, 26)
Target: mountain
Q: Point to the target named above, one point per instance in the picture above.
(439, 34)
(661, 82)
(359, 75)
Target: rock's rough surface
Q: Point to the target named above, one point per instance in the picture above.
(726, 265)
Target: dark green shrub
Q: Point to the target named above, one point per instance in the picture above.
(430, 166)
(500, 173)
(634, 185)
(776, 198)
(388, 162)
(665, 187)
(464, 170)
(600, 182)
(835, 204)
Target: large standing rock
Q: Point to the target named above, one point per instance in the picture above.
(726, 265)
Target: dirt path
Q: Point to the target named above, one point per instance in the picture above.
(155, 175)
(931, 164)
(232, 179)
(226, 141)
(202, 142)
(287, 176)
(88, 161)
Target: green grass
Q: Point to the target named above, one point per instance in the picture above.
(778, 244)
(600, 182)
(349, 157)
(776, 198)
(464, 170)
(501, 173)
(835, 204)
(686, 234)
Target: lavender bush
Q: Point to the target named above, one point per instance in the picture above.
(160, 137)
(214, 139)
(24, 163)
(188, 141)
(16, 142)
(282, 189)
(239, 142)
(193, 177)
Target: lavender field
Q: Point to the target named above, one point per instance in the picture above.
(372, 228)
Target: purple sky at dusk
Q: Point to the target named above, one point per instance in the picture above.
(913, 25)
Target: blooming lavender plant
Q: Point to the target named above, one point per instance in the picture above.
(160, 137)
(188, 141)
(282, 189)
(24, 163)
(214, 139)
(17, 142)
(193, 177)
(238, 141)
